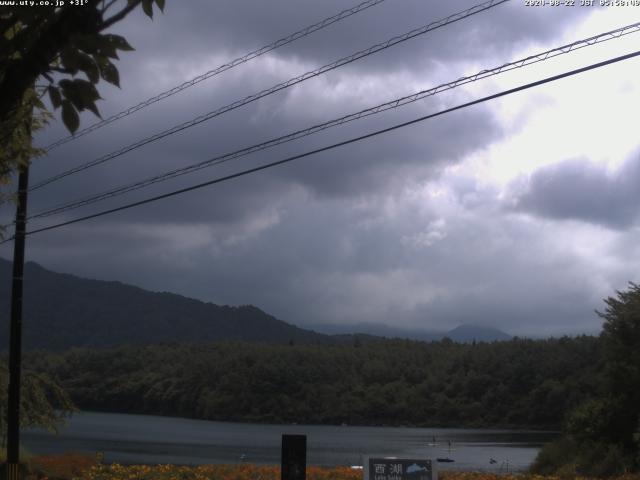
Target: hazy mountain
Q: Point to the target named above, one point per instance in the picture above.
(62, 310)
(469, 333)
(462, 334)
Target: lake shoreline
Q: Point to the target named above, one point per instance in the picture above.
(141, 439)
(488, 427)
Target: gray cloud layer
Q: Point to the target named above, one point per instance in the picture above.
(345, 236)
(580, 190)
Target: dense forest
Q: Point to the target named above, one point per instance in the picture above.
(586, 387)
(387, 382)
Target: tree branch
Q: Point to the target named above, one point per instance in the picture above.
(120, 15)
(108, 5)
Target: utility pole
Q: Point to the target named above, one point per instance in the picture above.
(15, 339)
(13, 469)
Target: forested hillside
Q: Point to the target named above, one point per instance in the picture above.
(392, 382)
(61, 311)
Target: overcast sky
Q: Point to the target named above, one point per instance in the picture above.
(519, 213)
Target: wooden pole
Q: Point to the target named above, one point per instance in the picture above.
(15, 339)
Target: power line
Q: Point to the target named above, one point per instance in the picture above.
(222, 68)
(617, 33)
(339, 144)
(276, 88)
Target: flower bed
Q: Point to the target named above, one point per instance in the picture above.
(71, 467)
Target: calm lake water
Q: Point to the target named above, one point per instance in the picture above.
(150, 440)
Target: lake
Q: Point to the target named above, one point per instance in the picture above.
(150, 439)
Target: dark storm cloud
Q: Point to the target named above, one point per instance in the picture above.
(337, 237)
(394, 262)
(204, 28)
(376, 165)
(581, 190)
(240, 26)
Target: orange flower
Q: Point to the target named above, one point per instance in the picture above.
(79, 467)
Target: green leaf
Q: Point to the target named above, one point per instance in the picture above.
(110, 73)
(89, 67)
(12, 31)
(87, 43)
(81, 93)
(92, 107)
(119, 42)
(160, 4)
(100, 60)
(105, 47)
(54, 96)
(86, 90)
(147, 7)
(66, 86)
(70, 116)
(38, 104)
(69, 58)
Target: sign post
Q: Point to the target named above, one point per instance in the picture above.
(294, 457)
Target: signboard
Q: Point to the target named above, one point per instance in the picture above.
(399, 469)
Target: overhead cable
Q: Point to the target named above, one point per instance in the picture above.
(222, 68)
(276, 88)
(336, 145)
(539, 57)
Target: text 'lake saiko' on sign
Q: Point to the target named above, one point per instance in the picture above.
(399, 469)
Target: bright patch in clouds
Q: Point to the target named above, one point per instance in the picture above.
(591, 115)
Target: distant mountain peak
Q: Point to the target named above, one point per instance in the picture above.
(462, 333)
(479, 333)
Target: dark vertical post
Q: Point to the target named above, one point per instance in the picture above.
(294, 457)
(15, 339)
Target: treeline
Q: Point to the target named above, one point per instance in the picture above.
(520, 383)
(601, 436)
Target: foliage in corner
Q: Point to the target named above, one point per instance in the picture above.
(43, 404)
(62, 53)
(601, 436)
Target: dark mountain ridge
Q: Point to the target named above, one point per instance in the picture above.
(63, 310)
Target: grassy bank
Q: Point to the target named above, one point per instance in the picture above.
(69, 467)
